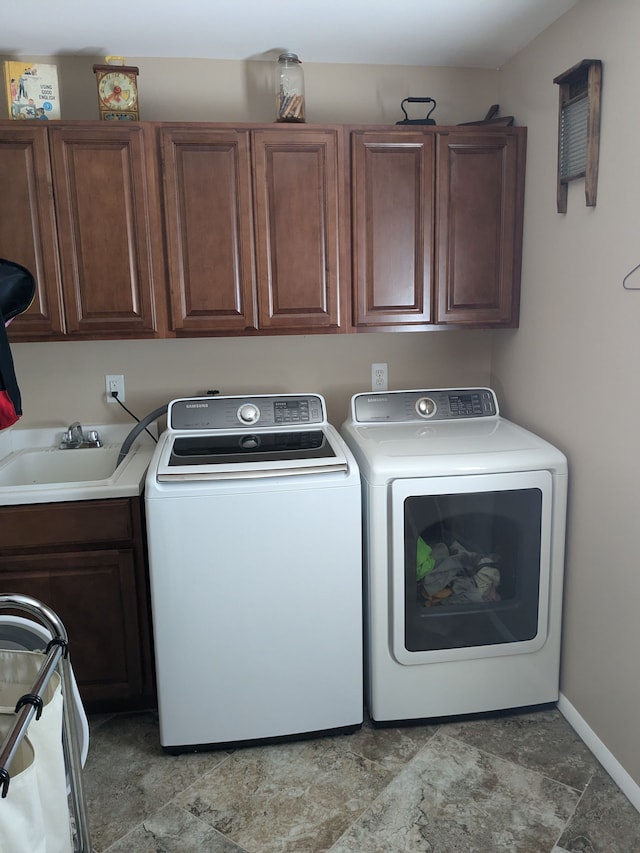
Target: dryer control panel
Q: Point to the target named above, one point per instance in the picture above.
(436, 404)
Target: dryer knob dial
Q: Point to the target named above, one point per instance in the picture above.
(248, 413)
(426, 407)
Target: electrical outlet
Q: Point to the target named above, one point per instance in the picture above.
(114, 382)
(379, 377)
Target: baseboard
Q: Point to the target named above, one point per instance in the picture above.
(627, 785)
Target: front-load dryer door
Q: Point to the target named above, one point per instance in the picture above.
(470, 566)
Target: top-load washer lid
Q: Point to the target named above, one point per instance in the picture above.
(212, 438)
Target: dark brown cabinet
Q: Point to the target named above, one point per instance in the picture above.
(28, 230)
(254, 228)
(192, 229)
(81, 214)
(86, 561)
(437, 227)
(480, 180)
(206, 184)
(106, 210)
(300, 229)
(392, 182)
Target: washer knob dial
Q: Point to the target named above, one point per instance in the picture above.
(248, 413)
(426, 407)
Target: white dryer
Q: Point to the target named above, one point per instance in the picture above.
(464, 529)
(255, 558)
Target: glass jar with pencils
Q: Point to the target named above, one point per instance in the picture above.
(289, 88)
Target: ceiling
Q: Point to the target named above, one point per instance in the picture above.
(463, 33)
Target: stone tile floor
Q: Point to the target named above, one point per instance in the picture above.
(522, 783)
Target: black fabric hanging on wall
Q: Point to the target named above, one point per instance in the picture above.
(17, 289)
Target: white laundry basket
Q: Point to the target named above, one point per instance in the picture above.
(21, 819)
(44, 735)
(17, 632)
(42, 793)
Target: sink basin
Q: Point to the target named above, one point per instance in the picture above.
(33, 469)
(48, 465)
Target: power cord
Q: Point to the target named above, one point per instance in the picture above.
(114, 394)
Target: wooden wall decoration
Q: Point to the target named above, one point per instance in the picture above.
(579, 129)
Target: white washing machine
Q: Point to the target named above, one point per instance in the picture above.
(254, 530)
(464, 529)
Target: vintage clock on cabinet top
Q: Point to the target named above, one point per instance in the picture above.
(117, 91)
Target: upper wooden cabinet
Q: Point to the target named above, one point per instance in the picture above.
(393, 205)
(480, 181)
(206, 186)
(300, 228)
(28, 234)
(149, 230)
(437, 227)
(253, 228)
(80, 212)
(107, 231)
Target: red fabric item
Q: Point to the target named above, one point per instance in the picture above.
(8, 416)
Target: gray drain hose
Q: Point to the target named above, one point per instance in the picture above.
(138, 428)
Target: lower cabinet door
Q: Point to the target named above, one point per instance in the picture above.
(94, 594)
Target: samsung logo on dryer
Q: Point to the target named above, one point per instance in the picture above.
(196, 405)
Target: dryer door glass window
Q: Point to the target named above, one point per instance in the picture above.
(474, 570)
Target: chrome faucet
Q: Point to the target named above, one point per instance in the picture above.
(74, 438)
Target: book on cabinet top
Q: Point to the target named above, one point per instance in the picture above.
(32, 90)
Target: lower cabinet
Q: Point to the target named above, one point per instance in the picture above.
(86, 561)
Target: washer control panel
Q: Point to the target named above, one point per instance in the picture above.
(439, 404)
(261, 411)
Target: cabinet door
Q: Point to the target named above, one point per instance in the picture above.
(208, 228)
(85, 560)
(479, 230)
(107, 215)
(392, 197)
(28, 226)
(94, 594)
(298, 203)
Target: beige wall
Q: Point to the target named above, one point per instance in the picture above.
(571, 371)
(62, 382)
(222, 90)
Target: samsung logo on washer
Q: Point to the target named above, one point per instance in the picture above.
(196, 406)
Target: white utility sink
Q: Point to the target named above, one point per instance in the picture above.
(33, 468)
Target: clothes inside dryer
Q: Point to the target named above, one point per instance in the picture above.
(472, 568)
